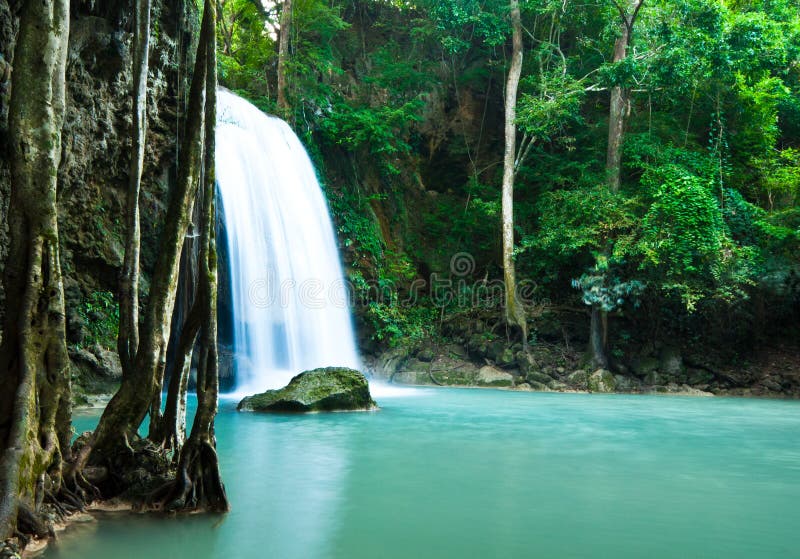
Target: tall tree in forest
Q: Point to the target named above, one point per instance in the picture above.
(619, 108)
(515, 313)
(34, 401)
(128, 340)
(283, 52)
(198, 484)
(620, 102)
(126, 410)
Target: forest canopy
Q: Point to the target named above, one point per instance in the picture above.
(705, 216)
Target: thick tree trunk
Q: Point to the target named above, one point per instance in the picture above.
(515, 313)
(618, 111)
(283, 52)
(128, 340)
(33, 358)
(199, 484)
(130, 404)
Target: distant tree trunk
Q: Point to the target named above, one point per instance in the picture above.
(619, 108)
(126, 410)
(620, 102)
(198, 482)
(597, 338)
(515, 313)
(283, 52)
(33, 358)
(128, 339)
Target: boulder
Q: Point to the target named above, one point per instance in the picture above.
(390, 362)
(625, 384)
(494, 349)
(100, 361)
(558, 386)
(329, 389)
(643, 366)
(536, 376)
(699, 376)
(578, 379)
(653, 378)
(426, 355)
(601, 381)
(477, 346)
(670, 362)
(411, 377)
(506, 359)
(538, 386)
(491, 376)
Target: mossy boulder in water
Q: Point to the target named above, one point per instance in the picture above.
(330, 389)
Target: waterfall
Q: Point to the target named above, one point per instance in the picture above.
(289, 298)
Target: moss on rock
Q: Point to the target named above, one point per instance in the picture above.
(328, 389)
(601, 381)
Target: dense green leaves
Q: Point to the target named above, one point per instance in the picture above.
(401, 102)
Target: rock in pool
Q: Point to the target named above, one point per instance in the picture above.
(329, 389)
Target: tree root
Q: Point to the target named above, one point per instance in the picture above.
(32, 523)
(198, 485)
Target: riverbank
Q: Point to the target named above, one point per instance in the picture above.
(772, 372)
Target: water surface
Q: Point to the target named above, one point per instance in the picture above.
(448, 473)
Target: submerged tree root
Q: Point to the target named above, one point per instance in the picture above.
(198, 484)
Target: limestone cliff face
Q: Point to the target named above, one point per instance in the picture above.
(96, 142)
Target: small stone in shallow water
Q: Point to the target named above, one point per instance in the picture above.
(329, 389)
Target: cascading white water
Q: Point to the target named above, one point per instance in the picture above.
(290, 304)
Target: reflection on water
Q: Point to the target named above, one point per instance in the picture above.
(472, 473)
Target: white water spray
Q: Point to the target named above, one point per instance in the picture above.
(290, 302)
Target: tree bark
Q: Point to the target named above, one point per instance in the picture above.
(514, 311)
(619, 108)
(126, 410)
(128, 339)
(283, 53)
(597, 338)
(33, 357)
(198, 483)
(620, 101)
(171, 432)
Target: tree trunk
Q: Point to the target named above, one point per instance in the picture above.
(126, 410)
(128, 339)
(171, 432)
(597, 338)
(620, 102)
(283, 52)
(515, 313)
(619, 109)
(34, 367)
(198, 485)
(163, 426)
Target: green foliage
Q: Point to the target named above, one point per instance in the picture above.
(246, 50)
(402, 102)
(100, 313)
(607, 293)
(549, 104)
(381, 131)
(682, 232)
